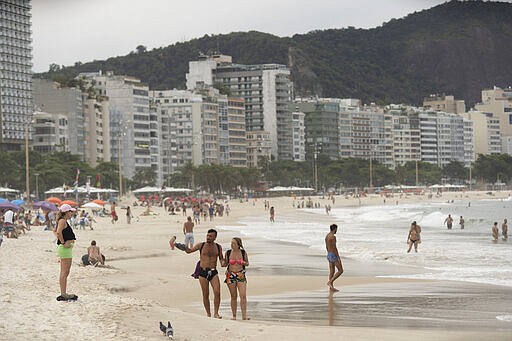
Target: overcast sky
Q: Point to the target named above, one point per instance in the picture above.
(67, 31)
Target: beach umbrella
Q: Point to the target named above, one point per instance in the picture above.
(99, 202)
(69, 202)
(92, 205)
(45, 205)
(18, 202)
(8, 206)
(53, 200)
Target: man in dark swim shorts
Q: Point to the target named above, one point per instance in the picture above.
(209, 251)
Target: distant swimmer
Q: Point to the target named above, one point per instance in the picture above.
(504, 230)
(448, 221)
(461, 223)
(495, 232)
(414, 236)
(333, 257)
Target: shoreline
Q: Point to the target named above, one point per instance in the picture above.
(145, 283)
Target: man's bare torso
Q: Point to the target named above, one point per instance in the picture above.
(209, 255)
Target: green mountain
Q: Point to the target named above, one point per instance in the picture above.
(455, 48)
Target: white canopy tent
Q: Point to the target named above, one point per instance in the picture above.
(290, 189)
(149, 189)
(81, 189)
(8, 190)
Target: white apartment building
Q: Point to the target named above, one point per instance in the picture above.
(499, 102)
(406, 135)
(190, 127)
(486, 131)
(131, 133)
(50, 132)
(299, 136)
(266, 90)
(16, 107)
(366, 133)
(443, 138)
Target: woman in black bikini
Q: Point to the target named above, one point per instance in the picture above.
(414, 236)
(236, 261)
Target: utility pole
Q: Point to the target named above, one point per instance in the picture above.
(315, 167)
(417, 182)
(27, 175)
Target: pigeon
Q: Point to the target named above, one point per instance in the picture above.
(180, 246)
(168, 331)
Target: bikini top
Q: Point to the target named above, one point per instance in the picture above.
(236, 261)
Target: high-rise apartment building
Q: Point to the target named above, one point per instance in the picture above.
(406, 135)
(232, 140)
(52, 98)
(299, 136)
(265, 88)
(132, 136)
(322, 127)
(499, 102)
(50, 132)
(486, 131)
(96, 129)
(16, 107)
(444, 137)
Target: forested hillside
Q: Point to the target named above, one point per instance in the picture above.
(456, 48)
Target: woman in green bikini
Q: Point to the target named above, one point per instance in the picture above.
(65, 242)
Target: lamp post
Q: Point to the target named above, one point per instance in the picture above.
(417, 178)
(37, 185)
(27, 178)
(120, 152)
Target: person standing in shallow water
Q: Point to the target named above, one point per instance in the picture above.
(333, 257)
(414, 236)
(449, 221)
(495, 232)
(504, 230)
(272, 214)
(461, 223)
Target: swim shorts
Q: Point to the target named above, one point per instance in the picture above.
(189, 238)
(331, 257)
(235, 277)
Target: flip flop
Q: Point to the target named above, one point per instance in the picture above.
(67, 298)
(180, 246)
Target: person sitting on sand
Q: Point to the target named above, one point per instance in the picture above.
(236, 261)
(94, 255)
(333, 257)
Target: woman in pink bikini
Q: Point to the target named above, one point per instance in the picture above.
(236, 261)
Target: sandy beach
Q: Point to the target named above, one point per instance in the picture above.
(145, 282)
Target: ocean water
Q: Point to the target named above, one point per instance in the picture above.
(379, 233)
